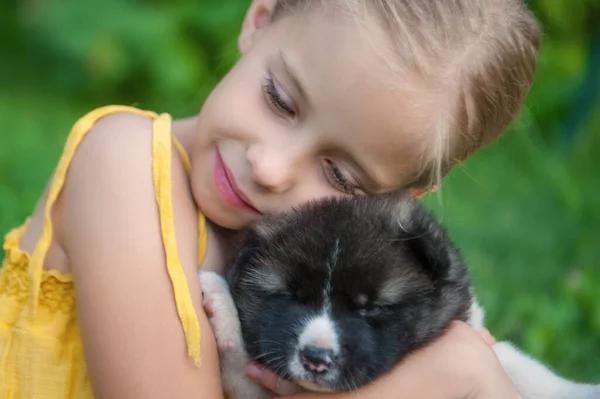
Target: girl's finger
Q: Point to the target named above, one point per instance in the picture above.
(271, 381)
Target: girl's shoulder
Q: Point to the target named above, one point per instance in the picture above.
(125, 154)
(110, 164)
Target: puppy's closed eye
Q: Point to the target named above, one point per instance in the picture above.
(370, 311)
(367, 308)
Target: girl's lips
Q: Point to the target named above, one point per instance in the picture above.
(226, 186)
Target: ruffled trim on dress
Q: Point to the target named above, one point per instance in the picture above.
(57, 293)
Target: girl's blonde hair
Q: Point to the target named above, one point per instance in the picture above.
(478, 56)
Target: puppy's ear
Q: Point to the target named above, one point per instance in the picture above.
(431, 249)
(428, 241)
(400, 206)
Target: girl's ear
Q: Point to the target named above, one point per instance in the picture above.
(258, 15)
(420, 193)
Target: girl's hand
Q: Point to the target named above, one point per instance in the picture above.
(271, 381)
(458, 365)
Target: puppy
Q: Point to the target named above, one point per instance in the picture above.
(334, 294)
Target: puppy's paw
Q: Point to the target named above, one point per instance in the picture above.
(212, 284)
(220, 309)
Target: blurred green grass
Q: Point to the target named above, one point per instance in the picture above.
(526, 211)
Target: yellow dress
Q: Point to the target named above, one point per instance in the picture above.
(40, 345)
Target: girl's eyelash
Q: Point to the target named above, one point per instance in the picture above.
(275, 98)
(339, 179)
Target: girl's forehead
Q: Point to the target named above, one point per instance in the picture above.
(350, 93)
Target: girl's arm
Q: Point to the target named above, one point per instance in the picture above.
(133, 341)
(458, 365)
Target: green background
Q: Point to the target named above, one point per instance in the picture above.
(526, 211)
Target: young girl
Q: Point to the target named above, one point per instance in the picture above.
(98, 290)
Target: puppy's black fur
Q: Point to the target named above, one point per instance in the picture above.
(381, 268)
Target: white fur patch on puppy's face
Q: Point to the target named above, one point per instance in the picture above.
(318, 332)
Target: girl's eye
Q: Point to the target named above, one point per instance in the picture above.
(275, 99)
(337, 178)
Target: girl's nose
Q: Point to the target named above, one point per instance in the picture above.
(272, 168)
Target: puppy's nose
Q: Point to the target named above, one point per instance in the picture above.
(316, 360)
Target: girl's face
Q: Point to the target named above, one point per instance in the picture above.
(306, 113)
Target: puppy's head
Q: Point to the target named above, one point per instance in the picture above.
(335, 293)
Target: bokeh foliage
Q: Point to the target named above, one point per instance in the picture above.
(525, 211)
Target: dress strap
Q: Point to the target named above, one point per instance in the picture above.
(202, 236)
(78, 132)
(161, 165)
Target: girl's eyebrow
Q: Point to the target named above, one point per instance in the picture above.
(294, 77)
